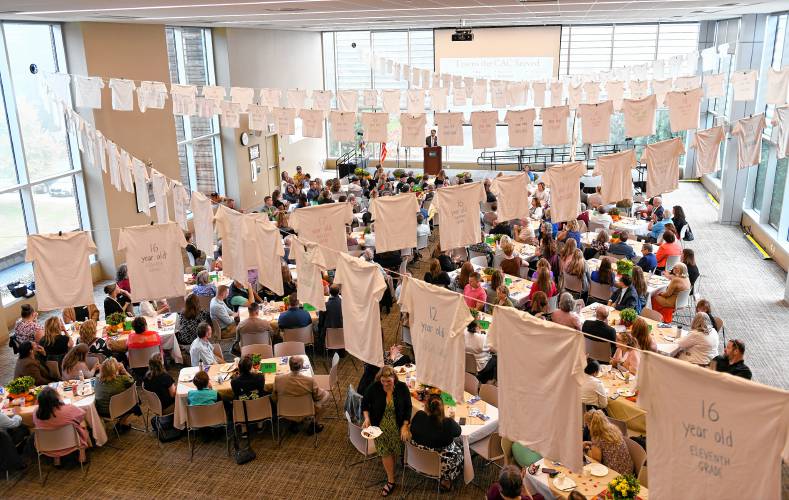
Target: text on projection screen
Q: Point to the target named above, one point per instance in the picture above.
(499, 68)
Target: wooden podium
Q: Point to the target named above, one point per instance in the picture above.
(431, 162)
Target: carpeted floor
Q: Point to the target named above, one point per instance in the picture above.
(745, 290)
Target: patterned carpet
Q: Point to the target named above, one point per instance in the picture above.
(745, 290)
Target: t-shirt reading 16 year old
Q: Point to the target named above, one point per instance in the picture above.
(153, 256)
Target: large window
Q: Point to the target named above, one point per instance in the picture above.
(199, 149)
(41, 186)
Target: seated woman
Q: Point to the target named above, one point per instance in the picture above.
(188, 321)
(539, 306)
(577, 268)
(447, 265)
(543, 284)
(153, 308)
(511, 486)
(117, 300)
(248, 385)
(566, 254)
(113, 379)
(31, 364)
(141, 337)
(640, 332)
(52, 414)
(55, 341)
(203, 394)
(476, 344)
(502, 297)
(436, 275)
(570, 232)
(511, 264)
(607, 444)
(626, 356)
(640, 284)
(158, 381)
(701, 344)
(605, 274)
(665, 301)
(203, 286)
(431, 430)
(496, 280)
(76, 363)
(565, 314)
(542, 264)
(87, 336)
(535, 210)
(599, 245)
(80, 313)
(689, 259)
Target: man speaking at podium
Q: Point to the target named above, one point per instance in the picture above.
(431, 141)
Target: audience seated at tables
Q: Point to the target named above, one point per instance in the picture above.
(202, 350)
(152, 309)
(113, 379)
(31, 364)
(241, 295)
(141, 337)
(203, 394)
(248, 385)
(12, 446)
(295, 316)
(511, 264)
(622, 248)
(731, 361)
(665, 301)
(648, 260)
(489, 217)
(700, 345)
(288, 286)
(432, 430)
(203, 286)
(476, 344)
(566, 254)
(535, 210)
(447, 265)
(543, 284)
(539, 307)
(473, 293)
(657, 227)
(598, 329)
(669, 247)
(593, 393)
(332, 316)
(96, 344)
(80, 313)
(295, 384)
(117, 300)
(689, 259)
(654, 207)
(52, 413)
(571, 231)
(640, 284)
(578, 268)
(602, 218)
(189, 319)
(565, 314)
(641, 332)
(496, 280)
(55, 341)
(522, 233)
(436, 275)
(502, 297)
(625, 295)
(679, 219)
(607, 444)
(541, 194)
(626, 356)
(547, 250)
(542, 264)
(668, 228)
(76, 363)
(191, 249)
(605, 274)
(511, 486)
(223, 314)
(599, 245)
(158, 381)
(704, 306)
(27, 328)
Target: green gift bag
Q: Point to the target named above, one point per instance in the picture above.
(268, 367)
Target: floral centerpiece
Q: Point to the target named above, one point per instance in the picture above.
(115, 322)
(20, 388)
(616, 236)
(624, 487)
(628, 316)
(624, 267)
(399, 172)
(361, 172)
(256, 359)
(615, 214)
(197, 270)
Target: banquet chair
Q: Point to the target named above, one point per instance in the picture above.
(683, 305)
(202, 416)
(120, 405)
(48, 441)
(153, 405)
(694, 291)
(296, 406)
(421, 242)
(303, 335)
(264, 350)
(637, 453)
(334, 341)
(671, 260)
(599, 291)
(424, 462)
(176, 304)
(480, 260)
(205, 302)
(720, 329)
(54, 368)
(258, 410)
(489, 448)
(572, 284)
(595, 227)
(597, 349)
(620, 424)
(471, 384)
(651, 314)
(364, 446)
(289, 349)
(138, 358)
(489, 393)
(262, 337)
(405, 334)
(553, 303)
(471, 364)
(328, 382)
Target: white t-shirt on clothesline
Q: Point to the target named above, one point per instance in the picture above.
(88, 91)
(450, 128)
(596, 122)
(438, 99)
(520, 127)
(707, 145)
(662, 159)
(61, 269)
(777, 86)
(342, 126)
(749, 140)
(312, 122)
(412, 129)
(310, 262)
(122, 94)
(639, 116)
(554, 125)
(483, 129)
(683, 109)
(617, 172)
(564, 180)
(203, 222)
(269, 253)
(153, 257)
(512, 196)
(395, 221)
(458, 211)
(375, 126)
(744, 84)
(325, 225)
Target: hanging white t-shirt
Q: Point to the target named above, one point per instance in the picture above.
(516, 93)
(777, 86)
(321, 99)
(296, 98)
(479, 96)
(285, 120)
(545, 413)
(714, 86)
(639, 88)
(122, 94)
(557, 93)
(310, 262)
(459, 97)
(512, 196)
(342, 126)
(214, 92)
(180, 204)
(312, 123)
(370, 98)
(660, 88)
(564, 180)
(749, 140)
(151, 95)
(207, 108)
(153, 257)
(114, 157)
(554, 125)
(230, 228)
(412, 129)
(325, 225)
(709, 59)
(363, 285)
(203, 221)
(231, 114)
(468, 84)
(450, 128)
(615, 90)
(391, 101)
(258, 117)
(520, 128)
(744, 85)
(140, 173)
(435, 80)
(348, 100)
(88, 91)
(592, 92)
(707, 145)
(125, 169)
(683, 109)
(438, 98)
(183, 97)
(269, 253)
(687, 82)
(704, 438)
(538, 94)
(395, 221)
(574, 95)
(458, 209)
(374, 126)
(781, 131)
(100, 144)
(483, 129)
(243, 96)
(160, 188)
(662, 159)
(438, 320)
(617, 172)
(639, 116)
(596, 122)
(415, 101)
(498, 94)
(271, 98)
(61, 269)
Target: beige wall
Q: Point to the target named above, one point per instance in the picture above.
(137, 52)
(532, 41)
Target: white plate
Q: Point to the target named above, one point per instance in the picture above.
(402, 370)
(185, 377)
(597, 469)
(563, 483)
(371, 432)
(626, 392)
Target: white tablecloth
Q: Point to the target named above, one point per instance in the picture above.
(473, 433)
(93, 419)
(637, 227)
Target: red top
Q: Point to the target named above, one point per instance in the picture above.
(665, 250)
(534, 290)
(474, 296)
(143, 340)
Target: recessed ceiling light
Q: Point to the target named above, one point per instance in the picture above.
(733, 4)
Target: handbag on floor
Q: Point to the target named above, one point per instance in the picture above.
(245, 454)
(689, 235)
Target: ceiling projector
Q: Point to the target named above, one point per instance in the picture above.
(462, 35)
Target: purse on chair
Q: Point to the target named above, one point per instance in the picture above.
(245, 454)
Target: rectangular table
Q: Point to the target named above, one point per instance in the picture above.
(271, 313)
(519, 287)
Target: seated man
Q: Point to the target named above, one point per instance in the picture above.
(295, 316)
(296, 384)
(656, 209)
(254, 324)
(598, 329)
(332, 316)
(221, 313)
(202, 349)
(622, 248)
(648, 261)
(732, 360)
(657, 227)
(625, 296)
(602, 218)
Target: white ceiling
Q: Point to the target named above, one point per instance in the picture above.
(329, 15)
